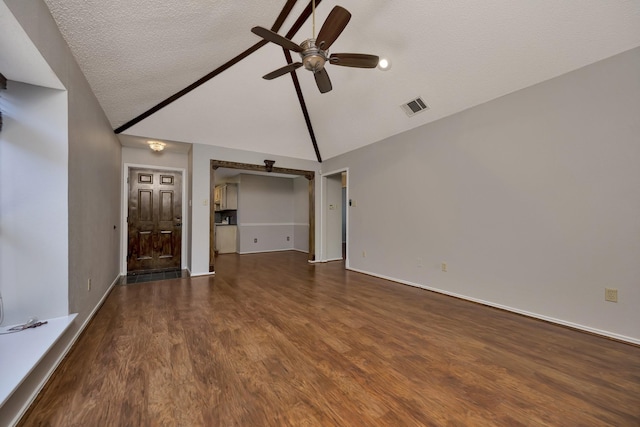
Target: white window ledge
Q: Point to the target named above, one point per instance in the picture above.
(20, 352)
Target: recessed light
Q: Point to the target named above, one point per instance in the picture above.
(384, 64)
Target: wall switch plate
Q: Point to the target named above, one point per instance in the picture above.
(364, 254)
(611, 295)
(443, 266)
(89, 284)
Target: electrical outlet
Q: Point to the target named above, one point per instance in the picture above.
(255, 240)
(89, 284)
(443, 266)
(610, 295)
(288, 238)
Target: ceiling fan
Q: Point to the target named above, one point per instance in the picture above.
(314, 52)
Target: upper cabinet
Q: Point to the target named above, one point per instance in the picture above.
(226, 197)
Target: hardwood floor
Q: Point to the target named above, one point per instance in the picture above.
(274, 341)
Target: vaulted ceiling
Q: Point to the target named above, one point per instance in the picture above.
(454, 54)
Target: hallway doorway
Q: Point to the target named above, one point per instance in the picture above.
(335, 216)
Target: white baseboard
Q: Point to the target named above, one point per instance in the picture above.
(62, 355)
(572, 325)
(300, 250)
(263, 252)
(210, 273)
(333, 259)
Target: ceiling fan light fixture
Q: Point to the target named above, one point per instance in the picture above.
(314, 62)
(156, 146)
(313, 58)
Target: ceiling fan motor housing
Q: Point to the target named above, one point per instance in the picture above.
(313, 58)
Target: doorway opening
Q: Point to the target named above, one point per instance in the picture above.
(217, 197)
(153, 213)
(335, 194)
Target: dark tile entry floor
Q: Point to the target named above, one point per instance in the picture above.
(153, 277)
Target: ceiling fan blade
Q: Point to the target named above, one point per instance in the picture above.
(358, 60)
(282, 71)
(276, 38)
(323, 81)
(332, 27)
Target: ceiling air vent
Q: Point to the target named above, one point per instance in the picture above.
(414, 106)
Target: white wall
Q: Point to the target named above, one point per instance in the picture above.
(202, 154)
(34, 270)
(532, 199)
(301, 214)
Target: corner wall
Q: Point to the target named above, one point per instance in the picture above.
(531, 199)
(34, 273)
(92, 196)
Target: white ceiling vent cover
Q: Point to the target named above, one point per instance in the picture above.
(414, 106)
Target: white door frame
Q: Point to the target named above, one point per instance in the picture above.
(125, 210)
(323, 217)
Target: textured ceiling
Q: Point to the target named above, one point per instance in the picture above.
(455, 54)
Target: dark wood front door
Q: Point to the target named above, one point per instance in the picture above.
(154, 220)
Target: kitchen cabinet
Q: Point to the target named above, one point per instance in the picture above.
(226, 239)
(226, 197)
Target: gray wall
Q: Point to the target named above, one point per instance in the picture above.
(265, 213)
(531, 199)
(93, 192)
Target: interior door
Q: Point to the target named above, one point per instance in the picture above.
(154, 220)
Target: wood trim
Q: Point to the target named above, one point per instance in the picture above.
(286, 10)
(212, 219)
(310, 175)
(312, 220)
(276, 26)
(303, 106)
(215, 164)
(3, 86)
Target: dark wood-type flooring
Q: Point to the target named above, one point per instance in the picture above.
(274, 341)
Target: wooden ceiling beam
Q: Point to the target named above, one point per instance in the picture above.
(276, 26)
(303, 106)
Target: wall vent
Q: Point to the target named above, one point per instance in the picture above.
(414, 106)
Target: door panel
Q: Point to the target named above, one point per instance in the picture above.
(154, 219)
